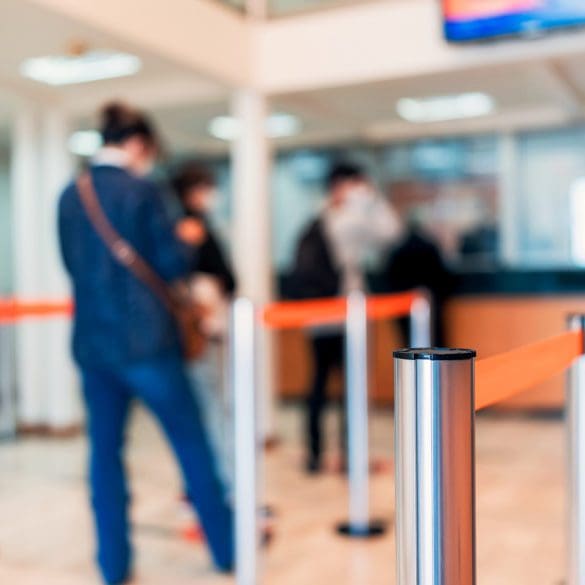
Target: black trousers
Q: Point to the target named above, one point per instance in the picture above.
(328, 355)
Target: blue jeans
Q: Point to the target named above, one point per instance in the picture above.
(209, 390)
(163, 387)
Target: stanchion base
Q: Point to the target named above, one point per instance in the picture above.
(374, 529)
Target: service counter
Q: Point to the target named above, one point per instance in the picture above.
(490, 321)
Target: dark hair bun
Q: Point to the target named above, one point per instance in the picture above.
(190, 175)
(114, 114)
(118, 122)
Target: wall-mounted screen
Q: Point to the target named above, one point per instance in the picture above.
(468, 20)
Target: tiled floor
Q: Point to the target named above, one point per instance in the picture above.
(45, 528)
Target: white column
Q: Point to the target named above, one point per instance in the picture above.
(252, 238)
(26, 227)
(62, 402)
(40, 168)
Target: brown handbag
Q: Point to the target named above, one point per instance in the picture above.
(175, 298)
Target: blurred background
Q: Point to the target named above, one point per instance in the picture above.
(468, 115)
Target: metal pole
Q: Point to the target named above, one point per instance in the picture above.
(435, 478)
(243, 382)
(576, 464)
(7, 383)
(356, 368)
(421, 331)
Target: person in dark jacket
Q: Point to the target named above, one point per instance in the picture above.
(417, 262)
(194, 184)
(126, 342)
(213, 284)
(330, 262)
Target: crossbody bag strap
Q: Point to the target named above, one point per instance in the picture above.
(122, 251)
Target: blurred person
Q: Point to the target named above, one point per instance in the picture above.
(417, 262)
(126, 341)
(478, 247)
(329, 262)
(212, 285)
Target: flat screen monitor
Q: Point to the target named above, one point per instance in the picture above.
(472, 20)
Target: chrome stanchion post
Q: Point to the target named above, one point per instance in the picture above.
(356, 387)
(435, 477)
(7, 383)
(576, 463)
(421, 328)
(243, 383)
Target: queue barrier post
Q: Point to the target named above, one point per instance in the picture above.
(7, 382)
(575, 401)
(243, 380)
(359, 523)
(421, 332)
(435, 467)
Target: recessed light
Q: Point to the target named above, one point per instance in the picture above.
(89, 66)
(445, 108)
(85, 142)
(278, 125)
(281, 125)
(224, 128)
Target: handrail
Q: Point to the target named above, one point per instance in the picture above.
(306, 313)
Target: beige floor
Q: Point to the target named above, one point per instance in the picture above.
(45, 528)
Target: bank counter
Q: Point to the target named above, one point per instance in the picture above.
(490, 311)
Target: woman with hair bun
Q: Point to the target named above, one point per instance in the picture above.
(126, 341)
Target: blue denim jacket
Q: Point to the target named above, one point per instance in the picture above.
(118, 320)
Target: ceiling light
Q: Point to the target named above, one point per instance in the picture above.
(85, 142)
(224, 128)
(89, 66)
(278, 125)
(281, 125)
(445, 108)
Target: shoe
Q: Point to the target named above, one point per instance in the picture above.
(313, 466)
(267, 512)
(127, 581)
(266, 537)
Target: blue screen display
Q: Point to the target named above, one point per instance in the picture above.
(468, 20)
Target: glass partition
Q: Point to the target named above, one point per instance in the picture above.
(453, 186)
(239, 5)
(549, 217)
(287, 7)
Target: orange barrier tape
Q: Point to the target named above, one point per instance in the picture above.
(502, 376)
(12, 310)
(293, 314)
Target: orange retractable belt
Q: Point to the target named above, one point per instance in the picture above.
(12, 310)
(293, 314)
(502, 376)
(287, 314)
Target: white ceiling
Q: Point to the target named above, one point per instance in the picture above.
(26, 30)
(183, 102)
(529, 96)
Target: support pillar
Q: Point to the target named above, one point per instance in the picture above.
(252, 243)
(40, 168)
(62, 408)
